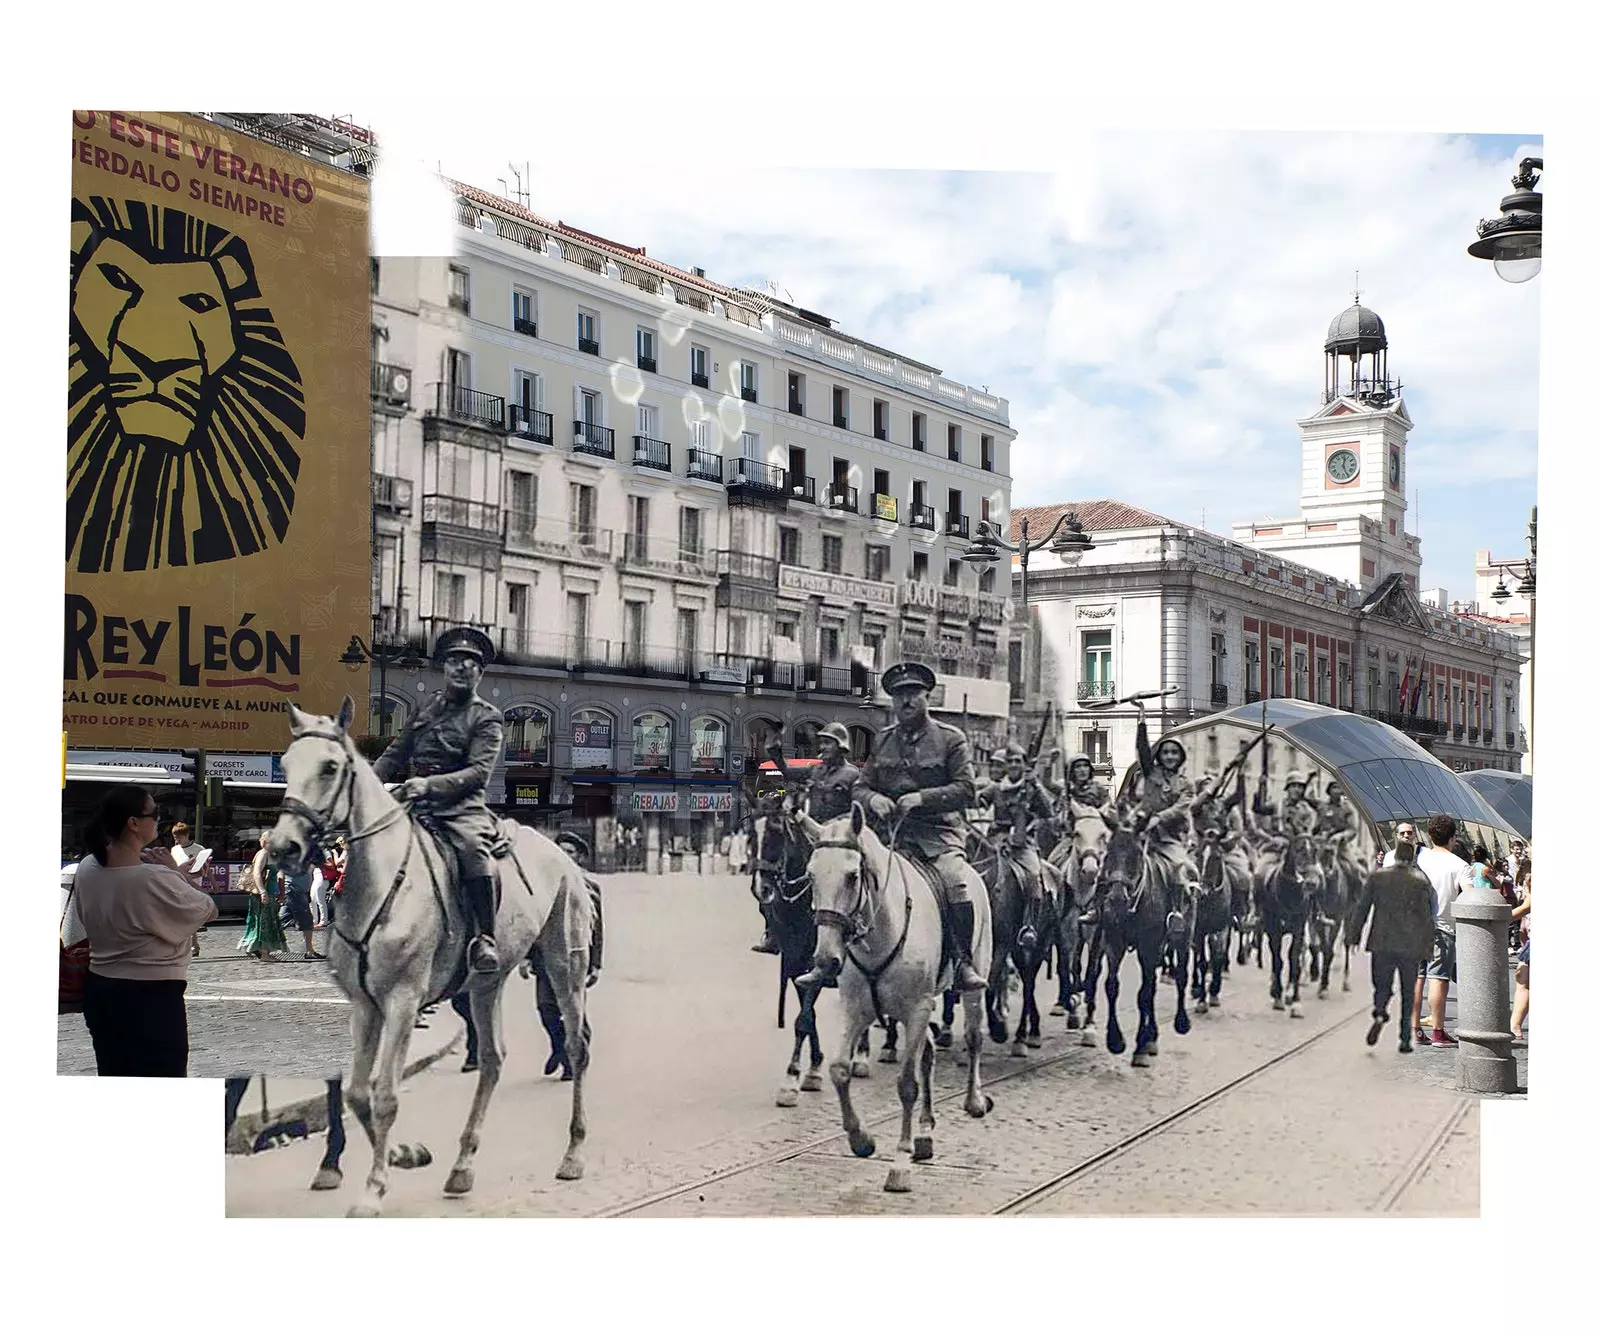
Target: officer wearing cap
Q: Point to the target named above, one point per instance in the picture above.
(443, 760)
(921, 773)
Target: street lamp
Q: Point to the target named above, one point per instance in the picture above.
(1515, 239)
(359, 653)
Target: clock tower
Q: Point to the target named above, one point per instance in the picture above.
(1352, 521)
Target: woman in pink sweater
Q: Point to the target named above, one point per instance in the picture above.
(138, 914)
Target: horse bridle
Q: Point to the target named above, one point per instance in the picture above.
(321, 823)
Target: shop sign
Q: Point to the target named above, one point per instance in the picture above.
(652, 741)
(710, 741)
(724, 675)
(655, 802)
(526, 793)
(166, 759)
(711, 802)
(244, 767)
(591, 744)
(814, 583)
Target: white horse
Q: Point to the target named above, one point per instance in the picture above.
(1078, 858)
(879, 930)
(400, 937)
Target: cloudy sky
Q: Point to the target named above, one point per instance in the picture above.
(1155, 315)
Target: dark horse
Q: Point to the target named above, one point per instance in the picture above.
(1285, 900)
(784, 880)
(1002, 877)
(1336, 896)
(1213, 918)
(1132, 915)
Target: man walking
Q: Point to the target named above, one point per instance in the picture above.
(1443, 869)
(296, 910)
(1400, 900)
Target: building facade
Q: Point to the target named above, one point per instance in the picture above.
(693, 519)
(1323, 607)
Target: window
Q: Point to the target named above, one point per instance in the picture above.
(1252, 670)
(1301, 681)
(986, 580)
(797, 467)
(750, 446)
(1219, 660)
(458, 369)
(954, 503)
(1014, 670)
(580, 500)
(919, 432)
(527, 398)
(645, 349)
(797, 393)
(832, 555)
(704, 436)
(1098, 679)
(578, 622)
(872, 641)
(953, 442)
(748, 381)
(652, 741)
(783, 627)
(689, 540)
(590, 409)
(589, 332)
(878, 563)
(373, 269)
(708, 745)
(880, 419)
(983, 509)
(841, 407)
(460, 289)
(1346, 686)
(1374, 689)
(638, 523)
(919, 566)
(522, 505)
(524, 312)
(952, 573)
(830, 643)
(736, 635)
(527, 731)
(449, 595)
(880, 481)
(789, 546)
(516, 609)
(634, 619)
(649, 421)
(919, 495)
(1322, 678)
(986, 452)
(688, 637)
(700, 367)
(1275, 668)
(1393, 697)
(1096, 744)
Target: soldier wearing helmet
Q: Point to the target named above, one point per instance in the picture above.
(442, 761)
(835, 778)
(1019, 800)
(1164, 799)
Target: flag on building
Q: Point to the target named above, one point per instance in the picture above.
(1405, 688)
(1416, 690)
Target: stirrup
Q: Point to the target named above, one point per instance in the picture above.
(482, 956)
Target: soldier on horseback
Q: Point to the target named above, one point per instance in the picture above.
(1164, 799)
(1019, 799)
(833, 784)
(442, 760)
(921, 774)
(768, 805)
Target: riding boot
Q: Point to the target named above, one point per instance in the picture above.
(482, 954)
(961, 927)
(1028, 936)
(550, 1016)
(769, 937)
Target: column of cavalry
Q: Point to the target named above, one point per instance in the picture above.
(913, 885)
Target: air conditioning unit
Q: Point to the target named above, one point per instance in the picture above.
(395, 387)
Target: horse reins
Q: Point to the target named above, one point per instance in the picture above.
(847, 925)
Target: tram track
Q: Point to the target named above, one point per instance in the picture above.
(1023, 1201)
(1429, 1153)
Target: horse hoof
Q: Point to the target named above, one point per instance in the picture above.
(1056, 1010)
(1322, 992)
(1216, 1001)
(1115, 1043)
(366, 1208)
(889, 1056)
(980, 1109)
(788, 1097)
(1073, 1021)
(1141, 1059)
(944, 1040)
(1033, 1042)
(812, 1082)
(1152, 1049)
(409, 1156)
(571, 1168)
(1200, 1005)
(899, 1181)
(460, 1181)
(922, 1148)
(1346, 986)
(1019, 1050)
(1181, 1024)
(997, 1035)
(1086, 1037)
(859, 1068)
(861, 1143)
(327, 1178)
(1277, 1002)
(1294, 1010)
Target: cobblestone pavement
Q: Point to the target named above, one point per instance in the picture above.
(687, 1061)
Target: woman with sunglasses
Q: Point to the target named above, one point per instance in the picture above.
(138, 914)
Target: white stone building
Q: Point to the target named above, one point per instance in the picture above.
(692, 517)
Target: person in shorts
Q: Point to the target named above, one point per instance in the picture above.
(1444, 871)
(297, 908)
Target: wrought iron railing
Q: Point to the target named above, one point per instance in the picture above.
(841, 496)
(1097, 689)
(750, 473)
(803, 489)
(526, 326)
(452, 511)
(743, 565)
(705, 465)
(955, 525)
(655, 454)
(700, 381)
(922, 516)
(1252, 695)
(748, 393)
(590, 438)
(456, 402)
(647, 363)
(531, 424)
(589, 346)
(391, 384)
(666, 554)
(1219, 695)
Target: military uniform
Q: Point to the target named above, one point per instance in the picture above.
(832, 790)
(453, 747)
(1017, 804)
(1163, 798)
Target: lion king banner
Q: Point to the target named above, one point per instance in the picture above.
(218, 494)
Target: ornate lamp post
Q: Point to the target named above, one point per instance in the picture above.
(385, 654)
(1515, 239)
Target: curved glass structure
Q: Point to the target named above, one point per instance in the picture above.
(1511, 794)
(1386, 775)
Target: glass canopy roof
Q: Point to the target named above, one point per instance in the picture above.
(1511, 794)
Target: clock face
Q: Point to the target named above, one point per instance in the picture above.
(1343, 465)
(1394, 469)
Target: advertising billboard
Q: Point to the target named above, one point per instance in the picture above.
(217, 557)
(591, 741)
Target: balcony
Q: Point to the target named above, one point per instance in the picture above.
(461, 517)
(704, 465)
(530, 424)
(923, 517)
(748, 393)
(429, 628)
(666, 556)
(647, 363)
(841, 420)
(699, 379)
(590, 438)
(526, 326)
(528, 534)
(746, 582)
(841, 496)
(1219, 695)
(796, 407)
(1511, 740)
(761, 483)
(1459, 731)
(391, 385)
(1472, 734)
(1097, 689)
(650, 453)
(459, 301)
(955, 525)
(880, 433)
(456, 402)
(1401, 721)
(589, 346)
(391, 495)
(851, 680)
(803, 488)
(1252, 695)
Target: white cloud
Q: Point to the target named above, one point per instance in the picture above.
(1154, 313)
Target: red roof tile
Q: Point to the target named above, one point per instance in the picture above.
(1095, 515)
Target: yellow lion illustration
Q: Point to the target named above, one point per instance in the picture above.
(184, 406)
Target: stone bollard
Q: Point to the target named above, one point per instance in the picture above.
(1484, 1062)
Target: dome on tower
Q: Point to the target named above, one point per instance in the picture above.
(1355, 332)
